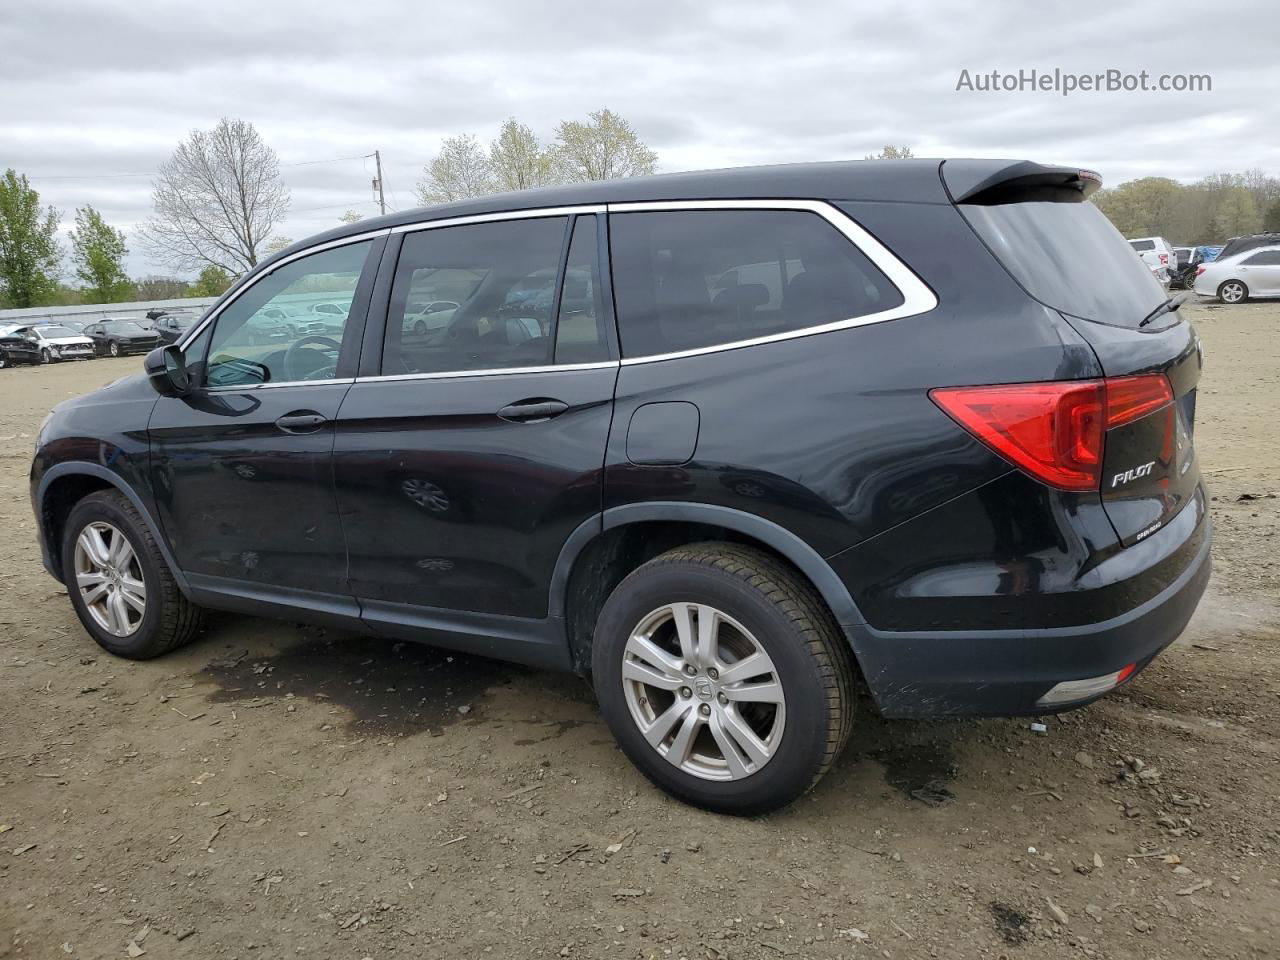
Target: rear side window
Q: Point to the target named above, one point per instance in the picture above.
(1267, 258)
(474, 297)
(686, 279)
(1142, 246)
(1069, 257)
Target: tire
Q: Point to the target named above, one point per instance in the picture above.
(756, 604)
(113, 348)
(1233, 291)
(420, 328)
(46, 356)
(168, 620)
(4, 361)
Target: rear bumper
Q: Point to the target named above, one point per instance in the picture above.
(1006, 672)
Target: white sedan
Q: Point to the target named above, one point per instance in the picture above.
(1254, 273)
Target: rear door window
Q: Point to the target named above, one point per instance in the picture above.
(1069, 257)
(687, 279)
(474, 297)
(1267, 258)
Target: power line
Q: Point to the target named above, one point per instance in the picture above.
(116, 176)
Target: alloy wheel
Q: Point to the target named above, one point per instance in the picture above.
(703, 691)
(109, 578)
(1232, 292)
(114, 349)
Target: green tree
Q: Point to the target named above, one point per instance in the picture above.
(891, 152)
(1143, 208)
(604, 147)
(459, 171)
(98, 251)
(517, 161)
(29, 253)
(212, 282)
(1236, 214)
(1271, 222)
(351, 217)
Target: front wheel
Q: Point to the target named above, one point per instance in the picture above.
(1233, 291)
(114, 349)
(723, 677)
(120, 586)
(46, 356)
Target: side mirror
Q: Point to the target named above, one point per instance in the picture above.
(167, 370)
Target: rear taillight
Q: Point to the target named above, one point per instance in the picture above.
(1199, 270)
(1054, 431)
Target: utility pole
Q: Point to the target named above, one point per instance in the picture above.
(377, 184)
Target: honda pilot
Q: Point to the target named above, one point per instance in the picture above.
(736, 445)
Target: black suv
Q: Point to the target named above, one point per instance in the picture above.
(725, 441)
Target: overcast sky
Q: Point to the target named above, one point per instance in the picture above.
(95, 91)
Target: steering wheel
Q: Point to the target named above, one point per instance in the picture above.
(292, 356)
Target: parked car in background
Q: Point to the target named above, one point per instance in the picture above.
(1157, 253)
(16, 349)
(1183, 273)
(171, 327)
(1253, 273)
(119, 337)
(56, 342)
(708, 468)
(433, 316)
(1240, 244)
(75, 325)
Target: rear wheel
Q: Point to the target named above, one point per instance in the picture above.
(114, 349)
(723, 677)
(120, 586)
(1233, 291)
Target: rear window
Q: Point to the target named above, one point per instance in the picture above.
(686, 279)
(1069, 257)
(1142, 246)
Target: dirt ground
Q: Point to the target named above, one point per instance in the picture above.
(277, 791)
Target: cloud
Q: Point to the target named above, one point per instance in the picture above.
(109, 87)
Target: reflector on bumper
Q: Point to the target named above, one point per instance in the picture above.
(1070, 691)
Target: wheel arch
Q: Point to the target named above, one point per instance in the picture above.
(605, 548)
(66, 484)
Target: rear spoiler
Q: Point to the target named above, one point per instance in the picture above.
(1018, 182)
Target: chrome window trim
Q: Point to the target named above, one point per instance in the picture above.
(534, 213)
(917, 298)
(493, 372)
(269, 385)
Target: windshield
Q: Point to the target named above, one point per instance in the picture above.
(53, 331)
(1069, 257)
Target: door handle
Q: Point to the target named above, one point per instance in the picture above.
(532, 411)
(301, 422)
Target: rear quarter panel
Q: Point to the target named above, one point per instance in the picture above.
(833, 436)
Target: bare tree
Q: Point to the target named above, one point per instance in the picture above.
(217, 199)
(459, 171)
(275, 245)
(351, 217)
(605, 147)
(518, 161)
